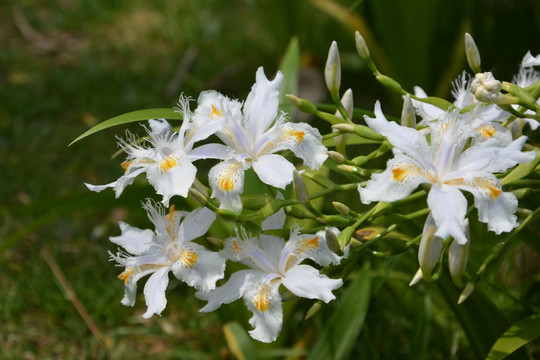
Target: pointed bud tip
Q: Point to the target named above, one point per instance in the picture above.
(416, 278)
(361, 46)
(467, 291)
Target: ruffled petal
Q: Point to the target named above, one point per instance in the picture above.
(403, 174)
(131, 276)
(120, 184)
(232, 290)
(448, 207)
(173, 176)
(274, 170)
(198, 267)
(495, 207)
(529, 60)
(304, 141)
(275, 221)
(300, 247)
(134, 240)
(154, 292)
(264, 301)
(261, 106)
(305, 281)
(227, 182)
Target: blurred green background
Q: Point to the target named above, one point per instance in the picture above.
(66, 65)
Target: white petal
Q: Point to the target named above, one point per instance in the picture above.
(154, 292)
(131, 278)
(300, 247)
(160, 126)
(210, 151)
(275, 221)
(530, 60)
(406, 139)
(261, 107)
(134, 240)
(490, 157)
(227, 182)
(175, 179)
(264, 302)
(196, 224)
(120, 184)
(304, 141)
(305, 281)
(428, 112)
(252, 253)
(448, 207)
(232, 290)
(201, 269)
(495, 207)
(274, 170)
(403, 174)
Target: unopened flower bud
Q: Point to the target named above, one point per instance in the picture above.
(347, 102)
(299, 188)
(473, 55)
(302, 104)
(390, 84)
(430, 248)
(467, 291)
(341, 207)
(335, 156)
(408, 115)
(332, 241)
(458, 256)
(416, 278)
(361, 46)
(347, 168)
(457, 261)
(332, 71)
(200, 198)
(485, 87)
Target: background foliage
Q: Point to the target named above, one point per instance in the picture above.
(66, 65)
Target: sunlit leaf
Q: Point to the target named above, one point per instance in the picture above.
(289, 67)
(521, 170)
(239, 342)
(139, 115)
(519, 334)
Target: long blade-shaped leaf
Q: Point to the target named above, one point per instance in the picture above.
(337, 339)
(139, 115)
(518, 335)
(239, 342)
(289, 67)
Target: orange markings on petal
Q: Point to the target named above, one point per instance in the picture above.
(126, 164)
(299, 135)
(494, 192)
(226, 181)
(169, 162)
(399, 174)
(126, 275)
(309, 244)
(215, 112)
(487, 131)
(261, 300)
(188, 257)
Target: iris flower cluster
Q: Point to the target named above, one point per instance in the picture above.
(456, 147)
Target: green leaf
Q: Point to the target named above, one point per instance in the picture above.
(139, 115)
(521, 170)
(239, 342)
(289, 67)
(519, 334)
(336, 340)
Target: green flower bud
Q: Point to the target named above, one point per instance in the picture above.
(332, 71)
(473, 55)
(361, 46)
(408, 115)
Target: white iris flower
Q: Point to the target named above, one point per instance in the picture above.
(168, 248)
(168, 161)
(273, 262)
(448, 167)
(254, 134)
